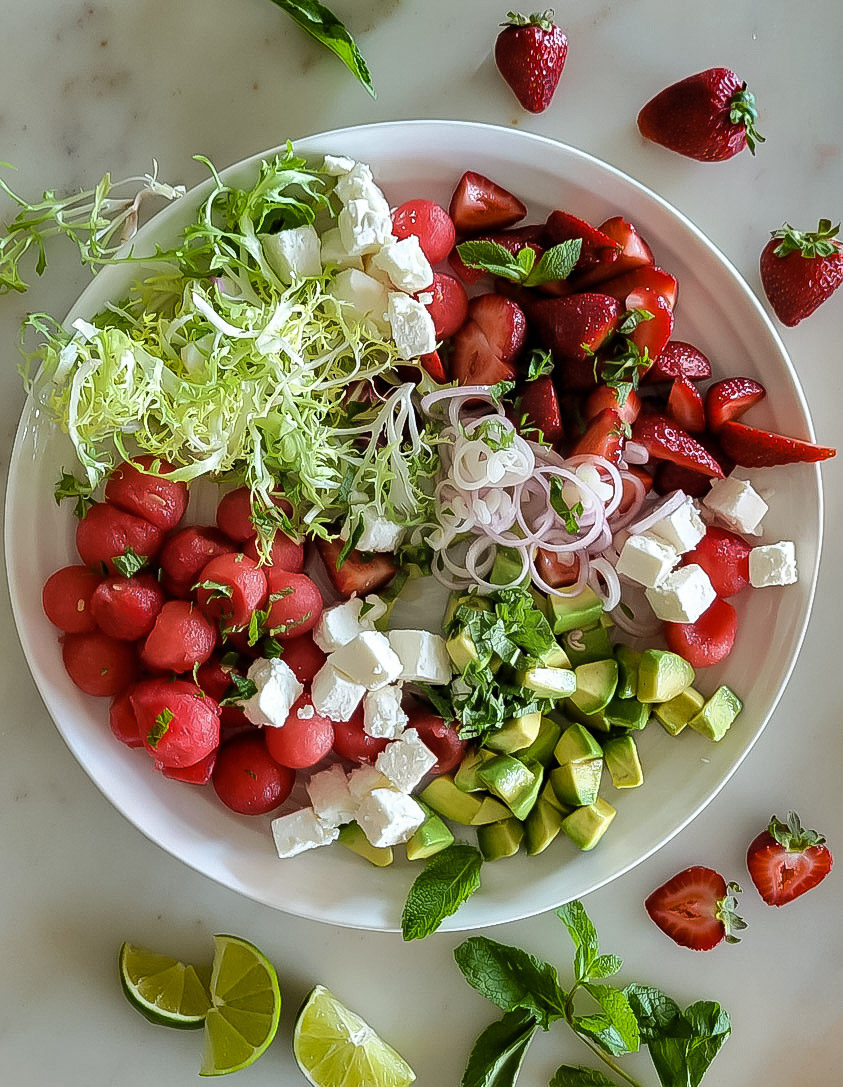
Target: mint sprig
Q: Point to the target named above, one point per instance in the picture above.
(69, 486)
(321, 23)
(446, 881)
(555, 263)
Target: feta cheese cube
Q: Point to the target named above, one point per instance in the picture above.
(736, 504)
(335, 695)
(773, 564)
(682, 596)
(331, 797)
(300, 831)
(382, 713)
(358, 183)
(406, 265)
(406, 760)
(334, 252)
(339, 624)
(682, 530)
(424, 657)
(364, 297)
(368, 659)
(646, 560)
(363, 779)
(277, 690)
(364, 227)
(388, 817)
(379, 533)
(293, 253)
(411, 325)
(335, 165)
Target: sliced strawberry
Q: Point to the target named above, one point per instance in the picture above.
(685, 405)
(538, 407)
(785, 860)
(577, 326)
(648, 275)
(696, 908)
(449, 306)
(604, 396)
(360, 574)
(473, 361)
(604, 437)
(679, 359)
(650, 335)
(709, 639)
(664, 440)
(598, 249)
(729, 399)
(725, 558)
(503, 323)
(670, 477)
(433, 365)
(634, 253)
(754, 448)
(479, 204)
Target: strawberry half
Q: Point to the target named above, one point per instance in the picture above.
(634, 252)
(598, 249)
(730, 398)
(708, 116)
(685, 405)
(785, 860)
(647, 275)
(652, 334)
(480, 204)
(696, 909)
(679, 359)
(485, 348)
(664, 440)
(538, 408)
(754, 448)
(604, 437)
(799, 271)
(360, 574)
(530, 54)
(576, 326)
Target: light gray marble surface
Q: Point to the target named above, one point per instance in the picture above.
(94, 85)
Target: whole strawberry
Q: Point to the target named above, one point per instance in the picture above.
(708, 116)
(785, 860)
(530, 54)
(800, 271)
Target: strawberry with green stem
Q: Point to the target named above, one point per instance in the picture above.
(530, 54)
(786, 860)
(800, 270)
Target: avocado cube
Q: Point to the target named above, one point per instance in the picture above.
(596, 683)
(507, 568)
(352, 837)
(554, 657)
(465, 776)
(628, 660)
(622, 762)
(587, 645)
(462, 650)
(541, 826)
(662, 675)
(572, 612)
(490, 811)
(548, 682)
(627, 713)
(577, 783)
(587, 825)
(674, 715)
(541, 749)
(576, 744)
(512, 781)
(548, 796)
(596, 722)
(515, 733)
(715, 718)
(447, 800)
(431, 837)
(498, 840)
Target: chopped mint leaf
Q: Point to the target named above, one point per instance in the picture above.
(569, 514)
(539, 364)
(68, 486)
(501, 389)
(129, 563)
(217, 590)
(632, 319)
(447, 880)
(352, 541)
(160, 728)
(241, 690)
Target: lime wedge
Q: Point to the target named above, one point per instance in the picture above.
(245, 1007)
(162, 989)
(336, 1048)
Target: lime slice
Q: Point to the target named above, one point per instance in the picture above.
(162, 989)
(245, 1007)
(336, 1048)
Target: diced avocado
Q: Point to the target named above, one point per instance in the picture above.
(576, 744)
(569, 612)
(587, 825)
(512, 781)
(587, 645)
(352, 837)
(596, 683)
(515, 733)
(622, 762)
(507, 567)
(627, 713)
(541, 749)
(662, 675)
(541, 826)
(431, 837)
(715, 718)
(675, 714)
(577, 783)
(554, 657)
(468, 600)
(490, 811)
(462, 650)
(503, 839)
(465, 776)
(628, 660)
(548, 796)
(596, 722)
(447, 800)
(548, 682)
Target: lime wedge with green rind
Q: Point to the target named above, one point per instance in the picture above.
(165, 991)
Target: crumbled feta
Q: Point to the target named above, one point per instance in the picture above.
(682, 595)
(405, 264)
(368, 659)
(388, 817)
(277, 690)
(682, 530)
(379, 533)
(364, 228)
(335, 695)
(335, 165)
(382, 713)
(300, 831)
(773, 564)
(406, 760)
(736, 504)
(363, 779)
(358, 183)
(646, 560)
(339, 624)
(411, 324)
(293, 253)
(367, 299)
(331, 797)
(306, 712)
(334, 252)
(424, 657)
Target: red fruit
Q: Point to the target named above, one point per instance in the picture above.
(122, 721)
(554, 570)
(214, 677)
(304, 657)
(604, 437)
(725, 558)
(799, 271)
(537, 407)
(178, 723)
(180, 639)
(66, 598)
(696, 909)
(605, 397)
(430, 223)
(754, 448)
(679, 359)
(198, 774)
(233, 721)
(247, 779)
(502, 322)
(133, 487)
(126, 607)
(294, 606)
(480, 204)
(353, 743)
(709, 639)
(664, 440)
(231, 588)
(729, 399)
(432, 365)
(302, 741)
(649, 276)
(634, 253)
(708, 116)
(97, 664)
(441, 738)
(234, 513)
(284, 552)
(785, 860)
(576, 326)
(530, 54)
(466, 274)
(449, 307)
(599, 251)
(360, 574)
(650, 335)
(473, 361)
(186, 553)
(685, 405)
(106, 532)
(674, 477)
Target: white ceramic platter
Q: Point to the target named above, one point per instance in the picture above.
(716, 311)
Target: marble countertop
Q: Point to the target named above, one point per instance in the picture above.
(93, 85)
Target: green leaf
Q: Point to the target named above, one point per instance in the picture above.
(525, 259)
(570, 514)
(497, 1055)
(160, 728)
(447, 880)
(500, 389)
(241, 689)
(512, 978)
(605, 965)
(584, 935)
(490, 257)
(621, 1033)
(683, 1053)
(129, 563)
(654, 1010)
(321, 23)
(68, 486)
(568, 1075)
(556, 263)
(539, 364)
(217, 590)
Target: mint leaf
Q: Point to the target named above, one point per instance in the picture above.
(497, 1055)
(68, 486)
(568, 1075)
(447, 880)
(556, 263)
(217, 590)
(681, 1055)
(512, 978)
(241, 689)
(605, 965)
(654, 1010)
(321, 23)
(500, 389)
(129, 563)
(620, 1035)
(570, 514)
(584, 935)
(490, 257)
(160, 728)
(632, 319)
(539, 364)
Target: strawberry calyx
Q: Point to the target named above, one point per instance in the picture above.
(726, 913)
(541, 19)
(792, 835)
(811, 244)
(743, 112)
